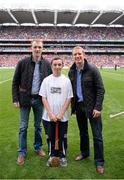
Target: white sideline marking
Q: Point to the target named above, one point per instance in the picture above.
(5, 81)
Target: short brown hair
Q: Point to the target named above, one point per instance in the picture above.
(36, 40)
(57, 58)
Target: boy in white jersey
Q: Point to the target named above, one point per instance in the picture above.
(56, 92)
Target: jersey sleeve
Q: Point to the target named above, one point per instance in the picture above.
(43, 89)
(69, 88)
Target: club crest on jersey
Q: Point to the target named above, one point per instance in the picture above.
(56, 90)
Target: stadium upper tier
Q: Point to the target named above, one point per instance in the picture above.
(104, 46)
(61, 40)
(63, 33)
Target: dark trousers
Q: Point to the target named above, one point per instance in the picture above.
(50, 129)
(96, 126)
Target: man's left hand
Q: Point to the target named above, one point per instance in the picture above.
(96, 113)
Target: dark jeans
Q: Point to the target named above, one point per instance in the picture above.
(37, 107)
(62, 133)
(96, 126)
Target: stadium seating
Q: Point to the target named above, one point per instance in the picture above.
(104, 46)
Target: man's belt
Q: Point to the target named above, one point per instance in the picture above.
(81, 103)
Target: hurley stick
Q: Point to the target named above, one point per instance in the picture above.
(56, 137)
(115, 115)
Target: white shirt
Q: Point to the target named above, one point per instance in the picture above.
(56, 90)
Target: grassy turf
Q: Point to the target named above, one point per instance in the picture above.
(34, 167)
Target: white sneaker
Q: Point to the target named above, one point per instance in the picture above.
(63, 162)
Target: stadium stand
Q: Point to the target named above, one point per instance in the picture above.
(104, 46)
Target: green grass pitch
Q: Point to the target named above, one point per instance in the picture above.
(34, 167)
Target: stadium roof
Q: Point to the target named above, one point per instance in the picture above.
(61, 17)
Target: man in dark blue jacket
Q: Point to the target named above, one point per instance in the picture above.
(27, 80)
(87, 102)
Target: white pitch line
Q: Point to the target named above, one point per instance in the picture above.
(5, 81)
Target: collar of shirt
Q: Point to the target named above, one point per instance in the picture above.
(36, 60)
(79, 70)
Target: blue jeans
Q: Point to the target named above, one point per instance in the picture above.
(37, 108)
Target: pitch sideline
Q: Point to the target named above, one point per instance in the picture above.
(5, 81)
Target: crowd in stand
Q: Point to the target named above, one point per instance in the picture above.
(10, 60)
(63, 33)
(53, 33)
(104, 61)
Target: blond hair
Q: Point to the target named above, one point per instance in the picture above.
(79, 47)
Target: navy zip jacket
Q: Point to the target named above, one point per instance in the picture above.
(92, 87)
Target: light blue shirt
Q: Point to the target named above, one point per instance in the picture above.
(36, 80)
(79, 88)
